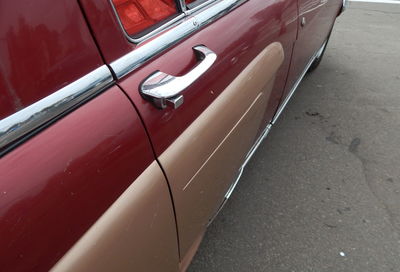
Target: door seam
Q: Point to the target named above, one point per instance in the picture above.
(159, 164)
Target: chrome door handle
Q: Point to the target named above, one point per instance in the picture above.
(164, 89)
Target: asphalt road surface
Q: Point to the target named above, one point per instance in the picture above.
(322, 193)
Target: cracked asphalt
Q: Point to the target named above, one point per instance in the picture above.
(322, 193)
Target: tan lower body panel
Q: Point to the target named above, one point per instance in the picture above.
(204, 160)
(185, 262)
(137, 233)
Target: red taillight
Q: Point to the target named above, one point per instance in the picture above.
(137, 15)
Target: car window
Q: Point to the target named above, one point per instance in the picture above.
(139, 17)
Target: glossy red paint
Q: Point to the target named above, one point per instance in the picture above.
(106, 29)
(56, 185)
(236, 44)
(41, 50)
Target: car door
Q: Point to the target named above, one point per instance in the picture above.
(206, 78)
(78, 178)
(316, 19)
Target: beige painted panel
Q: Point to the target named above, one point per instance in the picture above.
(204, 159)
(137, 233)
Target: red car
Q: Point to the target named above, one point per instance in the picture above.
(125, 124)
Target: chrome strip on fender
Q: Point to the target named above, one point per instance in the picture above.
(32, 117)
(188, 25)
(265, 132)
(297, 83)
(345, 5)
(249, 155)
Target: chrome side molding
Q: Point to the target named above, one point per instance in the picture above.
(249, 155)
(282, 106)
(345, 5)
(266, 131)
(197, 18)
(19, 124)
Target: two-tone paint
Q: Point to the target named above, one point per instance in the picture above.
(116, 173)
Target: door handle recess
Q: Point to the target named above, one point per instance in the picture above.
(165, 90)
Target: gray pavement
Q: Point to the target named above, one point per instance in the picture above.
(322, 193)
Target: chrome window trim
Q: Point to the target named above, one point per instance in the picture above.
(182, 5)
(164, 26)
(25, 121)
(183, 12)
(199, 7)
(147, 49)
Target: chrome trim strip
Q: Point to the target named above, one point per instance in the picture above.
(257, 144)
(321, 50)
(178, 17)
(264, 134)
(182, 5)
(19, 124)
(198, 7)
(249, 155)
(297, 83)
(345, 5)
(162, 27)
(175, 33)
